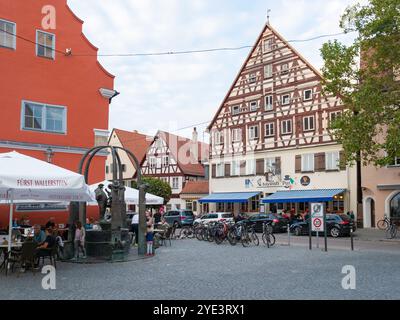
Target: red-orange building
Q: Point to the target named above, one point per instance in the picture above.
(55, 94)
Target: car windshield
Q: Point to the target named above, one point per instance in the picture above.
(344, 217)
(227, 215)
(187, 213)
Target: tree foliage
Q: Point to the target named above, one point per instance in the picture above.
(365, 75)
(157, 187)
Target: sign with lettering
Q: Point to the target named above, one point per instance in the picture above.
(317, 217)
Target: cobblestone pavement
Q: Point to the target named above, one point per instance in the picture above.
(191, 269)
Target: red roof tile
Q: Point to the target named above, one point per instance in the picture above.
(135, 142)
(176, 145)
(196, 187)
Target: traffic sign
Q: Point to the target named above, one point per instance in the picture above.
(317, 217)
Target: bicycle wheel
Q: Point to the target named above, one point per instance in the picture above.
(232, 237)
(245, 240)
(190, 232)
(199, 234)
(268, 239)
(382, 224)
(254, 239)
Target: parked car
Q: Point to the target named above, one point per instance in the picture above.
(278, 223)
(336, 225)
(179, 217)
(217, 216)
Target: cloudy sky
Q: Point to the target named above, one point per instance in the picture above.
(174, 92)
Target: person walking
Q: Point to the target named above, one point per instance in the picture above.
(149, 234)
(79, 240)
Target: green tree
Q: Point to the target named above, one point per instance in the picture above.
(157, 187)
(369, 129)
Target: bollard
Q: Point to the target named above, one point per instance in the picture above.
(351, 239)
(288, 232)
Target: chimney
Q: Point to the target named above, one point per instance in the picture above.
(194, 149)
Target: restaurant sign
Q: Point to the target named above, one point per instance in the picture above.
(268, 182)
(31, 207)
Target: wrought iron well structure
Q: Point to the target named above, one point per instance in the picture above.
(112, 242)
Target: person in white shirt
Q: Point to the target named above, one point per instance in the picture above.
(135, 227)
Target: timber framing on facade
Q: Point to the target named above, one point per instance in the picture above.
(275, 102)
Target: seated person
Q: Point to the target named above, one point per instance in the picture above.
(38, 234)
(49, 242)
(51, 223)
(89, 224)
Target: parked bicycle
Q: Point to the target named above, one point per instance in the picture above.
(383, 224)
(268, 236)
(391, 230)
(249, 236)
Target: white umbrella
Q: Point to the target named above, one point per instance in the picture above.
(131, 195)
(27, 178)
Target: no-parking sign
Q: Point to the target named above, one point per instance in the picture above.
(317, 217)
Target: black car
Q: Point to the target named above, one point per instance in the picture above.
(336, 225)
(278, 223)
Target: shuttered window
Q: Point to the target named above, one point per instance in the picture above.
(332, 160)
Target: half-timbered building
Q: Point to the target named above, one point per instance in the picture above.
(176, 160)
(271, 133)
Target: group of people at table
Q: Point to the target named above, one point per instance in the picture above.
(45, 238)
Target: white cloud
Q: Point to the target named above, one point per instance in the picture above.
(176, 91)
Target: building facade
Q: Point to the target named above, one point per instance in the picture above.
(176, 160)
(192, 192)
(136, 143)
(271, 133)
(56, 103)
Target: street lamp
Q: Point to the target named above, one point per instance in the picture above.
(49, 154)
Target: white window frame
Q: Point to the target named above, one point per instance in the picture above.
(268, 71)
(233, 108)
(334, 114)
(268, 45)
(269, 102)
(252, 131)
(44, 107)
(271, 129)
(285, 68)
(307, 123)
(307, 162)
(332, 160)
(285, 126)
(235, 168)
(14, 44)
(53, 47)
(304, 95)
(165, 161)
(159, 162)
(175, 183)
(250, 167)
(283, 102)
(220, 169)
(236, 135)
(252, 103)
(252, 78)
(152, 162)
(218, 138)
(270, 165)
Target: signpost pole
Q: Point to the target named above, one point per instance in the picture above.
(318, 239)
(310, 229)
(325, 231)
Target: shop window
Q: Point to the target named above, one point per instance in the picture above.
(395, 207)
(220, 207)
(189, 205)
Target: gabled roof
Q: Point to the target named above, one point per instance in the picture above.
(267, 26)
(195, 166)
(196, 187)
(135, 142)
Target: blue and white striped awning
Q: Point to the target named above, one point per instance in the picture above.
(302, 196)
(229, 197)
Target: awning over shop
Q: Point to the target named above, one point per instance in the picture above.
(232, 197)
(302, 196)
